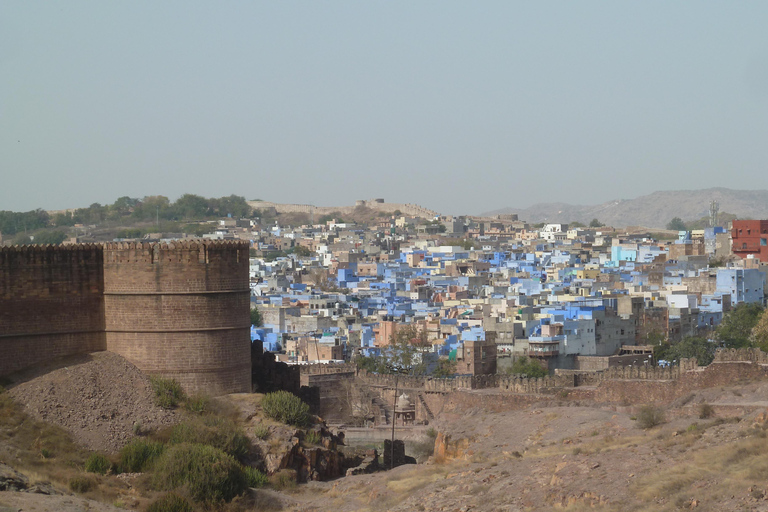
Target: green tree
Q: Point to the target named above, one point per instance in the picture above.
(49, 237)
(192, 207)
(759, 334)
(693, 346)
(233, 205)
(302, 251)
(527, 367)
(445, 368)
(594, 223)
(676, 224)
(736, 328)
(256, 318)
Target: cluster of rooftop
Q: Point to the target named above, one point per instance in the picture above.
(484, 291)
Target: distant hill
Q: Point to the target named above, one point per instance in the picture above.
(653, 211)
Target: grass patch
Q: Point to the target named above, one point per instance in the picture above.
(36, 447)
(313, 437)
(261, 432)
(139, 455)
(197, 403)
(283, 480)
(254, 477)
(735, 466)
(221, 433)
(170, 502)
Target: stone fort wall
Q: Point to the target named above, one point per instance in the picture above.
(179, 310)
(411, 210)
(51, 303)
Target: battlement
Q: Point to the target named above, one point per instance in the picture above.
(185, 251)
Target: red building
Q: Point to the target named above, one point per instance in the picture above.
(750, 237)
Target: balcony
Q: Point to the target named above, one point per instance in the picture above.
(540, 346)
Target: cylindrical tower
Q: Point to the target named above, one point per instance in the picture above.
(181, 310)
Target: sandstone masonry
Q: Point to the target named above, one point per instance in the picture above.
(178, 310)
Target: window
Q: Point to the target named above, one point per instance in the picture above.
(744, 245)
(764, 241)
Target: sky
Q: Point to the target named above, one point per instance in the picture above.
(462, 107)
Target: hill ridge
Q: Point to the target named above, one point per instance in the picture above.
(653, 210)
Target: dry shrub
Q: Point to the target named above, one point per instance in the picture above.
(706, 411)
(82, 484)
(649, 416)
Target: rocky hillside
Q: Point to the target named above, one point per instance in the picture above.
(653, 210)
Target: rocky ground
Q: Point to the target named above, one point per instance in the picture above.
(576, 457)
(551, 455)
(99, 398)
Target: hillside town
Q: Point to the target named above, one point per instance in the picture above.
(481, 293)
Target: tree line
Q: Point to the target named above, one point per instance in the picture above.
(128, 210)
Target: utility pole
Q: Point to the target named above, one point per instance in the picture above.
(394, 416)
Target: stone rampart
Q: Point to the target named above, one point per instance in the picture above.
(409, 209)
(51, 303)
(178, 309)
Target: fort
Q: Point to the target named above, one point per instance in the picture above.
(409, 209)
(178, 310)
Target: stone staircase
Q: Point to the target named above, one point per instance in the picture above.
(430, 416)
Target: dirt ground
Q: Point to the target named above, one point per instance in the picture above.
(578, 457)
(98, 398)
(552, 455)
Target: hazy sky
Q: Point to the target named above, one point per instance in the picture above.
(462, 107)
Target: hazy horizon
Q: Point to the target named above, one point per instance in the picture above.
(459, 108)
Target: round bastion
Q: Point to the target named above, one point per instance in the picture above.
(181, 310)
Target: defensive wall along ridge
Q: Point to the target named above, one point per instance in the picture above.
(179, 310)
(617, 385)
(409, 209)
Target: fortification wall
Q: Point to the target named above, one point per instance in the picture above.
(409, 209)
(51, 303)
(181, 310)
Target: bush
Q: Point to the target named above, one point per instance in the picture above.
(254, 477)
(81, 484)
(97, 463)
(168, 392)
(706, 411)
(220, 433)
(649, 416)
(432, 433)
(138, 455)
(170, 502)
(197, 403)
(209, 474)
(286, 407)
